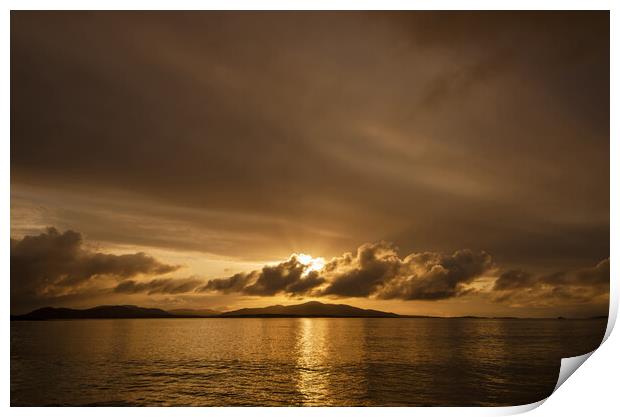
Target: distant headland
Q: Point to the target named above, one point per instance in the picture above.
(309, 309)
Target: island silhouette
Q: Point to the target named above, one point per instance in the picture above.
(308, 309)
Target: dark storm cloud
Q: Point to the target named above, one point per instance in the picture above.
(375, 270)
(576, 286)
(54, 263)
(286, 277)
(57, 267)
(362, 274)
(159, 286)
(290, 277)
(597, 275)
(306, 284)
(435, 130)
(513, 279)
(433, 276)
(235, 283)
(378, 270)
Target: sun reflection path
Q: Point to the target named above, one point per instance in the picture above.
(313, 372)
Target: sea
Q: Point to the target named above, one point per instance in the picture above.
(293, 361)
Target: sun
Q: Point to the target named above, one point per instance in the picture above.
(312, 264)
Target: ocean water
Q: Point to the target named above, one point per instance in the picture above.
(293, 362)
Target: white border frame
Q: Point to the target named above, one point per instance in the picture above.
(565, 401)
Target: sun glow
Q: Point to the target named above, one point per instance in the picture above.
(312, 264)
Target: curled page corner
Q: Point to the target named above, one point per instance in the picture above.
(520, 409)
(613, 313)
(568, 366)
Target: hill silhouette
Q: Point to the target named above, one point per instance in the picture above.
(309, 309)
(100, 312)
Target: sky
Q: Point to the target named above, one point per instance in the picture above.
(444, 163)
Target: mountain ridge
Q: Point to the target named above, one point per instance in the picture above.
(98, 312)
(309, 309)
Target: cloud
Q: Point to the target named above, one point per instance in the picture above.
(585, 285)
(414, 132)
(378, 270)
(375, 270)
(363, 274)
(513, 279)
(54, 263)
(290, 277)
(235, 283)
(55, 266)
(304, 285)
(434, 276)
(159, 286)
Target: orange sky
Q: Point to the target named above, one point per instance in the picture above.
(474, 145)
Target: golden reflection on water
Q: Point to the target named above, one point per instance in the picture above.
(313, 361)
(311, 353)
(324, 348)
